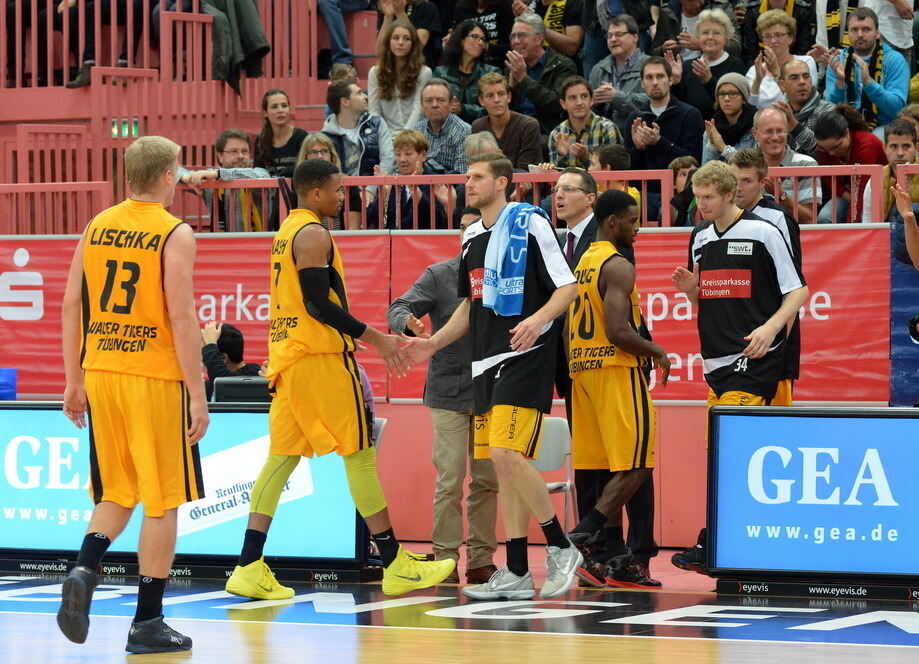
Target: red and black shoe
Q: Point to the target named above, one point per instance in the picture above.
(591, 574)
(626, 572)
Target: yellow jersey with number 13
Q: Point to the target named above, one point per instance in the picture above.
(589, 347)
(126, 324)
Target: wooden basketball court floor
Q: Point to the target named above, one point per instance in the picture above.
(332, 622)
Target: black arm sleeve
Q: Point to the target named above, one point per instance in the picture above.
(314, 282)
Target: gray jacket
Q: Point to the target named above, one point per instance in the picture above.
(802, 139)
(239, 40)
(449, 380)
(630, 96)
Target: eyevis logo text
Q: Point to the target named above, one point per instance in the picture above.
(821, 480)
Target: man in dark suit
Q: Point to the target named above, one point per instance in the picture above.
(574, 196)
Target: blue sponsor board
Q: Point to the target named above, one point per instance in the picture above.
(904, 304)
(45, 502)
(825, 491)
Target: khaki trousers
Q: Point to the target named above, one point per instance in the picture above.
(452, 453)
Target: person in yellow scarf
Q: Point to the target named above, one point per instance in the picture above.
(900, 147)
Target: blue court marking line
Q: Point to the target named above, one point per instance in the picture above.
(494, 631)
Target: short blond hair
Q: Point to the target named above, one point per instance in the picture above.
(717, 173)
(146, 159)
(775, 17)
(409, 138)
(715, 16)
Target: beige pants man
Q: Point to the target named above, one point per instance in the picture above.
(451, 453)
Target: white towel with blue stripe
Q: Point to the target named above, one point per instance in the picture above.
(506, 259)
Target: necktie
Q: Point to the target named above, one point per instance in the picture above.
(569, 249)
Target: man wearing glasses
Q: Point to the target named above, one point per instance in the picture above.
(235, 163)
(616, 79)
(770, 129)
(536, 73)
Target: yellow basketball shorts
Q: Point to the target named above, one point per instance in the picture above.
(319, 408)
(784, 393)
(737, 398)
(510, 428)
(613, 420)
(138, 451)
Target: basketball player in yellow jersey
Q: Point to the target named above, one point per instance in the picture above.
(612, 415)
(318, 406)
(132, 361)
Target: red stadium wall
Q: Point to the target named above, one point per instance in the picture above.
(845, 339)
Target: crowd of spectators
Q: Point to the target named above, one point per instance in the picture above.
(555, 81)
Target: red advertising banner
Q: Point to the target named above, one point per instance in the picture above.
(845, 322)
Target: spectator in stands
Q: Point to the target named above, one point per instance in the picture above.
(317, 145)
(800, 38)
(597, 19)
(895, 23)
(564, 24)
(911, 114)
(770, 129)
(695, 79)
(496, 17)
(616, 79)
(676, 28)
(900, 147)
(870, 76)
(664, 128)
(777, 30)
(843, 138)
(411, 152)
(332, 12)
(448, 396)
(422, 15)
(362, 140)
(279, 142)
(536, 73)
(517, 134)
(613, 158)
(731, 128)
(683, 202)
(802, 106)
(571, 143)
(443, 129)
(395, 82)
(237, 210)
(464, 64)
(222, 354)
(109, 10)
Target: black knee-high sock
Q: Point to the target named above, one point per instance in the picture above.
(555, 536)
(253, 545)
(149, 598)
(388, 546)
(517, 556)
(94, 547)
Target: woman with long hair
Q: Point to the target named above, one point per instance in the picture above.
(463, 66)
(730, 129)
(278, 144)
(497, 17)
(843, 138)
(396, 81)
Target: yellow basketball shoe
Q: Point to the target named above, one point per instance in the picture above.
(410, 572)
(256, 580)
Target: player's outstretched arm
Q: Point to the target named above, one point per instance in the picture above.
(71, 336)
(420, 350)
(178, 268)
(617, 279)
(313, 252)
